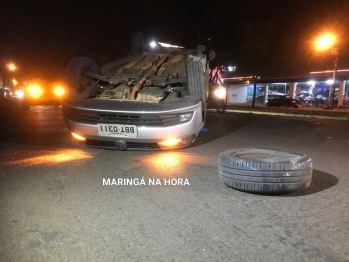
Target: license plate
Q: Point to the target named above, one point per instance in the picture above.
(117, 130)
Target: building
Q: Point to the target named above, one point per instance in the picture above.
(240, 89)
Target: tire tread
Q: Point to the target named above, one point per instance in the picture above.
(254, 175)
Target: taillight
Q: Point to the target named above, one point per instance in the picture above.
(293, 101)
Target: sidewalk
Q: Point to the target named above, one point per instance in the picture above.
(315, 112)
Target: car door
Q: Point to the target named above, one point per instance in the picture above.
(279, 101)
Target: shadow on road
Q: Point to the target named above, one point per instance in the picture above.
(218, 125)
(320, 182)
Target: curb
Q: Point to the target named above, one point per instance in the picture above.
(284, 114)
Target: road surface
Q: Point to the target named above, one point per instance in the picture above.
(54, 206)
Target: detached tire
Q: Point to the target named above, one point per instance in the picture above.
(265, 171)
(80, 84)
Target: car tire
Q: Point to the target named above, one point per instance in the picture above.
(265, 171)
(295, 106)
(268, 105)
(287, 106)
(81, 85)
(196, 80)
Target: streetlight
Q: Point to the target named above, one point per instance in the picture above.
(324, 42)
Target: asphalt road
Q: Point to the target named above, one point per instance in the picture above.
(54, 206)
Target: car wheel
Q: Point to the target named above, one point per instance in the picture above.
(80, 84)
(264, 170)
(196, 80)
(295, 106)
(287, 105)
(268, 105)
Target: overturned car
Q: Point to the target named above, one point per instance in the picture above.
(150, 99)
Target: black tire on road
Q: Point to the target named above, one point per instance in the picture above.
(265, 171)
(80, 84)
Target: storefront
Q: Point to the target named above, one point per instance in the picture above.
(240, 89)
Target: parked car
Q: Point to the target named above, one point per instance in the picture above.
(284, 100)
(150, 99)
(260, 98)
(42, 92)
(319, 100)
(5, 92)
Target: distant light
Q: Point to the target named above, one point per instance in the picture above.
(20, 93)
(330, 82)
(220, 92)
(311, 83)
(329, 71)
(11, 67)
(231, 68)
(153, 44)
(14, 81)
(169, 45)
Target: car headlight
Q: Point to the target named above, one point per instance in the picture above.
(59, 91)
(185, 117)
(35, 91)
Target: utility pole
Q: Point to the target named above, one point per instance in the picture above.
(254, 91)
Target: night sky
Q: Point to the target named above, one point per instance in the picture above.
(265, 37)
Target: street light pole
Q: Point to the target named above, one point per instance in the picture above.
(336, 53)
